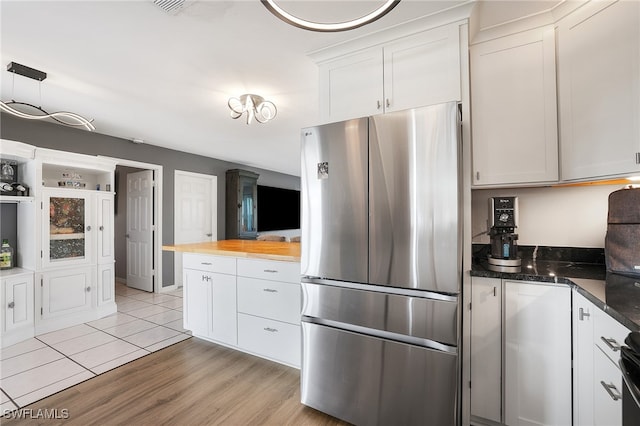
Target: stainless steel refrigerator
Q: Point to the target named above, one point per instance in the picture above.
(381, 266)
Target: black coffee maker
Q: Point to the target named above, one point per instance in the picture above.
(503, 216)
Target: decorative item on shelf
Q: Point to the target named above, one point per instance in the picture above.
(255, 106)
(62, 117)
(287, 17)
(6, 255)
(71, 179)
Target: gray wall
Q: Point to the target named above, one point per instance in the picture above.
(54, 136)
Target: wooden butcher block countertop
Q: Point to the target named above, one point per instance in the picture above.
(243, 248)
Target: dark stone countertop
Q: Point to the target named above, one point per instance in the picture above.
(583, 269)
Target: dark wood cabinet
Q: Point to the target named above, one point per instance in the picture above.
(241, 204)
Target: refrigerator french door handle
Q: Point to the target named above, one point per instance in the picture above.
(386, 290)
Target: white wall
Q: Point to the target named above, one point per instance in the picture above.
(561, 217)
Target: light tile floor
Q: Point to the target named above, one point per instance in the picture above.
(39, 367)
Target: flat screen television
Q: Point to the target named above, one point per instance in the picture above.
(278, 208)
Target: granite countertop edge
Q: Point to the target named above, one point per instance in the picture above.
(576, 283)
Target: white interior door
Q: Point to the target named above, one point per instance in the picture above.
(140, 230)
(195, 212)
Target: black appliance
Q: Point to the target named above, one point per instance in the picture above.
(630, 366)
(503, 217)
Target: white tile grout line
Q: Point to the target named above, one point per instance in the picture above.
(88, 369)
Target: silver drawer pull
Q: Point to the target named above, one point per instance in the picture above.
(610, 388)
(11, 305)
(205, 263)
(271, 271)
(613, 345)
(271, 330)
(270, 290)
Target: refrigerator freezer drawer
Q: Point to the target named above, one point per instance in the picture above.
(367, 380)
(417, 317)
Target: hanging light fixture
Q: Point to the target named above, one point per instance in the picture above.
(287, 17)
(62, 117)
(254, 106)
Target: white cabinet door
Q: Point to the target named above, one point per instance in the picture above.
(537, 354)
(423, 69)
(223, 309)
(583, 378)
(68, 291)
(599, 90)
(18, 301)
(105, 224)
(209, 305)
(513, 106)
(486, 348)
(351, 86)
(106, 284)
(196, 301)
(68, 228)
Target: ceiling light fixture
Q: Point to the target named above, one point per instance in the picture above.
(254, 106)
(329, 27)
(62, 117)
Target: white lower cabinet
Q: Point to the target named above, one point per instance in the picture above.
(16, 298)
(598, 380)
(67, 291)
(249, 304)
(537, 354)
(210, 301)
(106, 284)
(520, 352)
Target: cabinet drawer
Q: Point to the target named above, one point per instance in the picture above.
(607, 402)
(203, 262)
(270, 299)
(269, 270)
(609, 335)
(272, 339)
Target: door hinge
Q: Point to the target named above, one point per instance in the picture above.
(469, 306)
(40, 254)
(41, 280)
(637, 157)
(469, 384)
(41, 312)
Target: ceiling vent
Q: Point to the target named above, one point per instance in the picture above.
(170, 6)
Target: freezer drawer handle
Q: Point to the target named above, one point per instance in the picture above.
(270, 290)
(271, 330)
(610, 388)
(271, 271)
(582, 314)
(613, 345)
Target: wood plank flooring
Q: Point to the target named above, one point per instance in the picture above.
(193, 382)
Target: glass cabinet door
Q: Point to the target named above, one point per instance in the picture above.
(248, 220)
(67, 229)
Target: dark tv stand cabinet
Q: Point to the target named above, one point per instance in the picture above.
(241, 205)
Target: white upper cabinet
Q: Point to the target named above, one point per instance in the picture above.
(599, 90)
(513, 108)
(417, 70)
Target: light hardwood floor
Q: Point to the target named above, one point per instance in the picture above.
(193, 382)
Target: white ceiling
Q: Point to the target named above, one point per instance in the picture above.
(141, 72)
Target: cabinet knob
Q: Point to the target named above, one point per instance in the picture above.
(101, 228)
(11, 305)
(88, 227)
(88, 289)
(379, 105)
